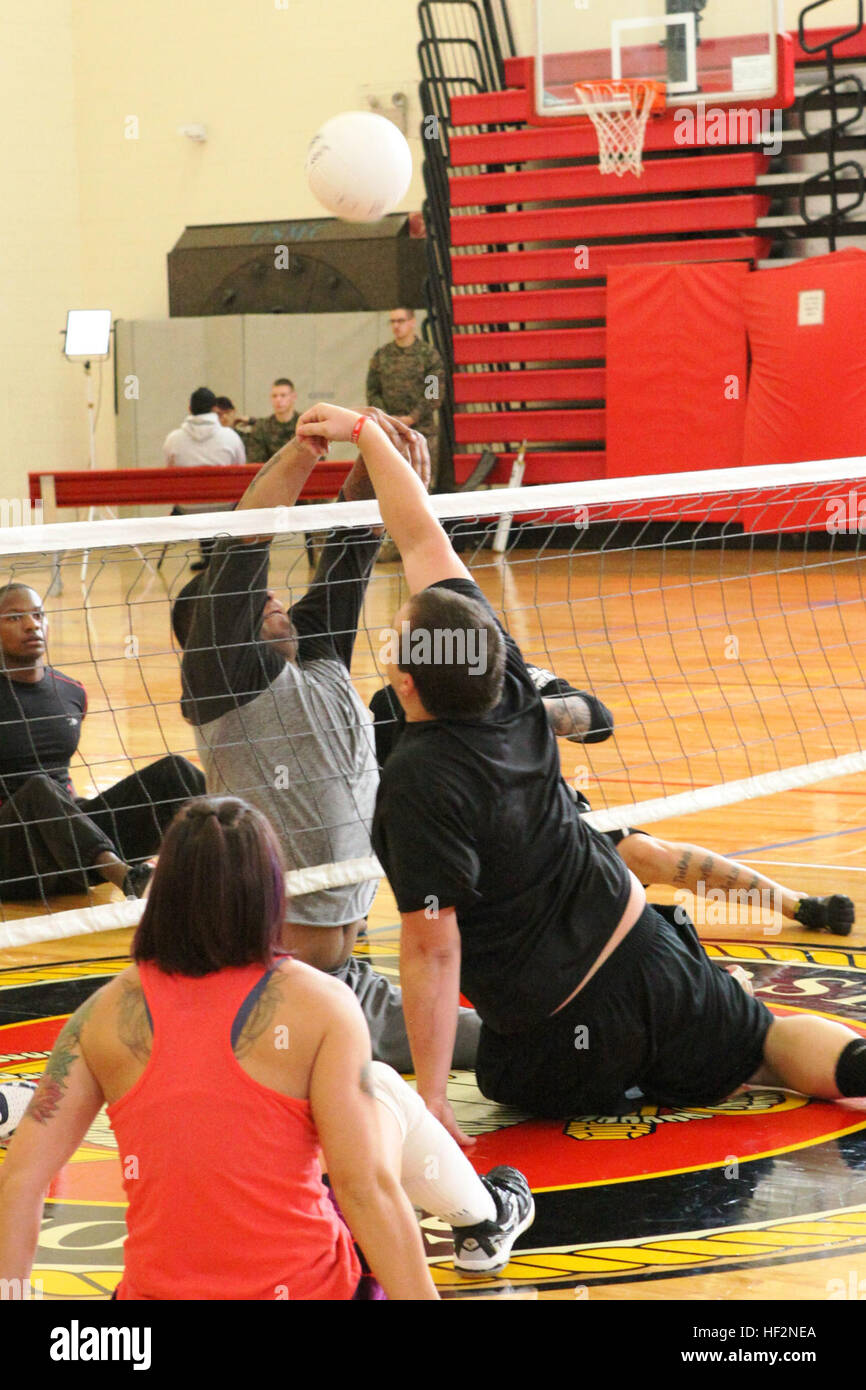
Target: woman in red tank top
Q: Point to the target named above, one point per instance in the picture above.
(225, 1065)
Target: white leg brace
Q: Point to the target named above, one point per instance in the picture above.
(436, 1174)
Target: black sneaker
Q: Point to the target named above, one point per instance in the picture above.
(136, 880)
(834, 914)
(486, 1248)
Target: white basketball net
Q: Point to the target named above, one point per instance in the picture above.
(621, 130)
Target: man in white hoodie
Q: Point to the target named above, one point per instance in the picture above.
(202, 441)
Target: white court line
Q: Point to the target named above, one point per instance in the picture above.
(798, 864)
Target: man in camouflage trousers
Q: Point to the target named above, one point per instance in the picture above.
(267, 437)
(406, 378)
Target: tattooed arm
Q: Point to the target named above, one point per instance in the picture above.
(278, 482)
(60, 1114)
(67, 1050)
(573, 714)
(569, 716)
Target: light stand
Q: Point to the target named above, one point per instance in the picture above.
(87, 339)
(91, 415)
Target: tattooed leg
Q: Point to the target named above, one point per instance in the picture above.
(688, 866)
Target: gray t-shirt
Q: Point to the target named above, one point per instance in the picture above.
(293, 739)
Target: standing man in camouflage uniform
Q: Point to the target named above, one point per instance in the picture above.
(405, 379)
(267, 437)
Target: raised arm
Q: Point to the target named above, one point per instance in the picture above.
(425, 549)
(224, 661)
(326, 618)
(279, 482)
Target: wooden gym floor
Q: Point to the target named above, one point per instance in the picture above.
(758, 1200)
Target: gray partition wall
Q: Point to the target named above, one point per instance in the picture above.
(161, 361)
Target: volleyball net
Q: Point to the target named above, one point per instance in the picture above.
(718, 615)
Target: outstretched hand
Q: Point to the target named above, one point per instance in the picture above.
(335, 423)
(408, 442)
(329, 422)
(315, 444)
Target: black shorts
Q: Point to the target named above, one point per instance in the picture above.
(658, 1015)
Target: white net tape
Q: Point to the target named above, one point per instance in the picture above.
(81, 536)
(84, 921)
(620, 112)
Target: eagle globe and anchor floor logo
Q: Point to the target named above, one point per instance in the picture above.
(681, 1159)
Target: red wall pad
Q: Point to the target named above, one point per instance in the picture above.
(807, 331)
(676, 368)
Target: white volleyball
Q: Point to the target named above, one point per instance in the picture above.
(359, 166)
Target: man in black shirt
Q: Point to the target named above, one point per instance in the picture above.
(584, 992)
(50, 840)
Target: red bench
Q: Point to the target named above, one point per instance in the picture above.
(127, 487)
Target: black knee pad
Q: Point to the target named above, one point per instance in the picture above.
(851, 1069)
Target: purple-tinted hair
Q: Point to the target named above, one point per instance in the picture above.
(217, 898)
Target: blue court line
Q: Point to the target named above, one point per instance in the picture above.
(786, 844)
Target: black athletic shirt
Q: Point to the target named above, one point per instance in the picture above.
(225, 664)
(40, 725)
(474, 814)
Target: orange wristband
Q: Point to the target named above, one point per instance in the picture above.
(359, 425)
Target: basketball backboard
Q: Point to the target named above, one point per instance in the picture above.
(705, 51)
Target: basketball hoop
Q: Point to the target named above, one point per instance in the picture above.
(620, 109)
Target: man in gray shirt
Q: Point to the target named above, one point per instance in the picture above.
(278, 722)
